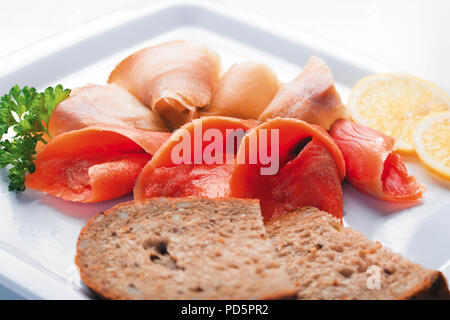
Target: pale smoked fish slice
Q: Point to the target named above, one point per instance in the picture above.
(311, 97)
(184, 248)
(173, 78)
(96, 104)
(244, 91)
(328, 261)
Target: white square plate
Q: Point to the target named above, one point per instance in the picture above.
(38, 232)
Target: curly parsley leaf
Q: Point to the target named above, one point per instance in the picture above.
(28, 113)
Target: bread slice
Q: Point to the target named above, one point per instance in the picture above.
(328, 261)
(185, 248)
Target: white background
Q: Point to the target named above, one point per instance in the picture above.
(411, 35)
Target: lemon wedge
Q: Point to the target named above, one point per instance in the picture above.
(394, 104)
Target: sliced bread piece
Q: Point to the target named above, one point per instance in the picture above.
(185, 248)
(327, 261)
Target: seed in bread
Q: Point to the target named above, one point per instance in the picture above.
(328, 261)
(185, 248)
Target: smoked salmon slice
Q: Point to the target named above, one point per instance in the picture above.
(202, 171)
(311, 169)
(97, 104)
(94, 164)
(371, 165)
(244, 91)
(311, 97)
(173, 78)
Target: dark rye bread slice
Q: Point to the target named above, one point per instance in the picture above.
(185, 248)
(327, 261)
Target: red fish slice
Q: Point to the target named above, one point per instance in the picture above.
(371, 165)
(95, 163)
(207, 180)
(311, 169)
(163, 177)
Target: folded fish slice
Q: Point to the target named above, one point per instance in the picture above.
(94, 164)
(311, 179)
(311, 169)
(244, 91)
(173, 78)
(163, 177)
(372, 166)
(97, 104)
(311, 97)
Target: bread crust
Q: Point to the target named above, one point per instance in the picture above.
(434, 288)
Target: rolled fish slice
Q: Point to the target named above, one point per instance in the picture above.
(244, 91)
(371, 164)
(174, 79)
(310, 169)
(94, 164)
(311, 97)
(98, 104)
(195, 175)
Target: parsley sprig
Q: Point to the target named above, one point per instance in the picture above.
(28, 113)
